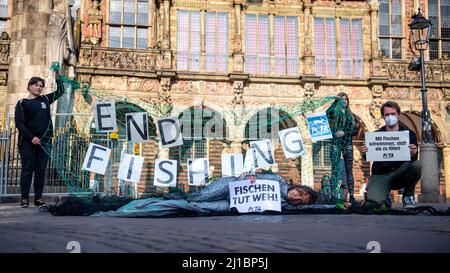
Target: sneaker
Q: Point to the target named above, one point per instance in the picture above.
(408, 202)
(24, 203)
(39, 202)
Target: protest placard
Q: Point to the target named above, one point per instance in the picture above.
(170, 132)
(257, 197)
(292, 142)
(263, 155)
(165, 173)
(105, 116)
(130, 168)
(137, 127)
(388, 146)
(319, 129)
(232, 164)
(96, 159)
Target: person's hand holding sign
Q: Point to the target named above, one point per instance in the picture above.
(364, 149)
(413, 149)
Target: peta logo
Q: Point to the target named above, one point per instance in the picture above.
(43, 105)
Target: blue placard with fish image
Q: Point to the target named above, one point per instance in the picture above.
(319, 129)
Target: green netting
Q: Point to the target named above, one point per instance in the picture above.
(71, 141)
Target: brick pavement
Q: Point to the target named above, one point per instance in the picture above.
(27, 230)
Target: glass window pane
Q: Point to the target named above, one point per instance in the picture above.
(194, 41)
(445, 49)
(3, 8)
(433, 16)
(434, 49)
(128, 12)
(3, 26)
(115, 11)
(128, 37)
(250, 43)
(292, 44)
(384, 18)
(210, 41)
(319, 49)
(445, 19)
(396, 48)
(356, 48)
(279, 45)
(330, 47)
(345, 47)
(182, 39)
(385, 47)
(142, 9)
(114, 36)
(222, 42)
(263, 44)
(142, 37)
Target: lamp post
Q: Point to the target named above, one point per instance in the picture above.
(420, 30)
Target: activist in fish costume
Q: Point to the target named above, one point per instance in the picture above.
(213, 199)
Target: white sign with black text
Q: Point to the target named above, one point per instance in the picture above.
(257, 197)
(96, 159)
(388, 146)
(165, 173)
(131, 168)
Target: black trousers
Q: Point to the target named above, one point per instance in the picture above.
(34, 160)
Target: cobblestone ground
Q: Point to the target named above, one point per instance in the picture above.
(27, 230)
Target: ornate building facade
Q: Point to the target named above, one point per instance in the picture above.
(238, 61)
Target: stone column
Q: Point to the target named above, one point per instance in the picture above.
(307, 166)
(152, 27)
(238, 57)
(375, 68)
(429, 183)
(166, 25)
(308, 58)
(28, 47)
(446, 157)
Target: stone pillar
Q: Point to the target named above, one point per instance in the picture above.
(152, 28)
(430, 177)
(238, 57)
(166, 25)
(28, 47)
(375, 67)
(446, 157)
(308, 58)
(307, 166)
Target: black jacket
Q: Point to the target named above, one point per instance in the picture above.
(32, 116)
(382, 167)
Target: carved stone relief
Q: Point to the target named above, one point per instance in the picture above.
(125, 83)
(3, 78)
(113, 59)
(4, 47)
(164, 102)
(93, 28)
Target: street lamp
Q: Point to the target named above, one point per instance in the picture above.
(420, 30)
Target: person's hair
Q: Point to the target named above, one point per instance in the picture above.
(35, 80)
(342, 94)
(312, 193)
(390, 104)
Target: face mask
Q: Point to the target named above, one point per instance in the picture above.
(391, 120)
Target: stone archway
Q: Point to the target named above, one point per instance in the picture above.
(265, 124)
(204, 131)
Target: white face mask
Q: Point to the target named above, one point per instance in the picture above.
(391, 120)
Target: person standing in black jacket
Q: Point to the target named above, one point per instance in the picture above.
(33, 120)
(394, 175)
